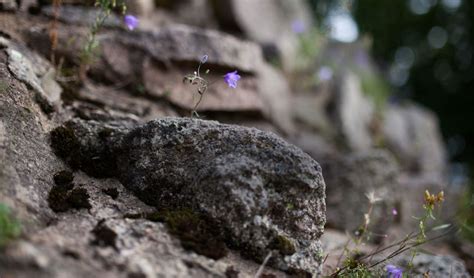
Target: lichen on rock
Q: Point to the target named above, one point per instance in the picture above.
(241, 178)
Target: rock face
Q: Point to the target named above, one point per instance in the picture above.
(8, 5)
(126, 192)
(24, 144)
(244, 195)
(412, 133)
(350, 180)
(263, 193)
(276, 30)
(39, 77)
(157, 61)
(354, 113)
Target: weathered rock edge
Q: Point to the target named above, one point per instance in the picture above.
(263, 193)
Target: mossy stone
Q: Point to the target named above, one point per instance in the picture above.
(63, 177)
(283, 245)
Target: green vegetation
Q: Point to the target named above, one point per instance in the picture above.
(9, 227)
(356, 269)
(283, 245)
(90, 51)
(466, 215)
(359, 265)
(310, 46)
(3, 86)
(376, 88)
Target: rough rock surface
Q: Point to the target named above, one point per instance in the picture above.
(39, 77)
(436, 266)
(24, 144)
(106, 232)
(8, 5)
(350, 179)
(262, 193)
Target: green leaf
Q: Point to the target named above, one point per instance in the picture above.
(441, 227)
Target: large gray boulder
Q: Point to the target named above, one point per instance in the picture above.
(263, 193)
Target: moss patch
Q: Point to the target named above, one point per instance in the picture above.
(79, 198)
(99, 163)
(283, 245)
(63, 178)
(195, 232)
(63, 196)
(64, 141)
(9, 227)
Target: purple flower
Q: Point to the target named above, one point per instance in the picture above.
(394, 212)
(131, 22)
(204, 59)
(231, 79)
(393, 271)
(298, 26)
(325, 73)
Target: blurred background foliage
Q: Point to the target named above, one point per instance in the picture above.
(425, 50)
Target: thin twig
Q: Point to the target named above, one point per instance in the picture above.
(262, 267)
(343, 252)
(53, 30)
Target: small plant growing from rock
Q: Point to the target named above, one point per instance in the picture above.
(430, 202)
(9, 226)
(360, 265)
(202, 84)
(363, 231)
(89, 52)
(311, 41)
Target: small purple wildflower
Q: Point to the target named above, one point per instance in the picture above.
(231, 79)
(394, 272)
(325, 73)
(131, 22)
(394, 212)
(298, 26)
(204, 59)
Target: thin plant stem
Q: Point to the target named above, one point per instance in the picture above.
(262, 266)
(53, 29)
(201, 95)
